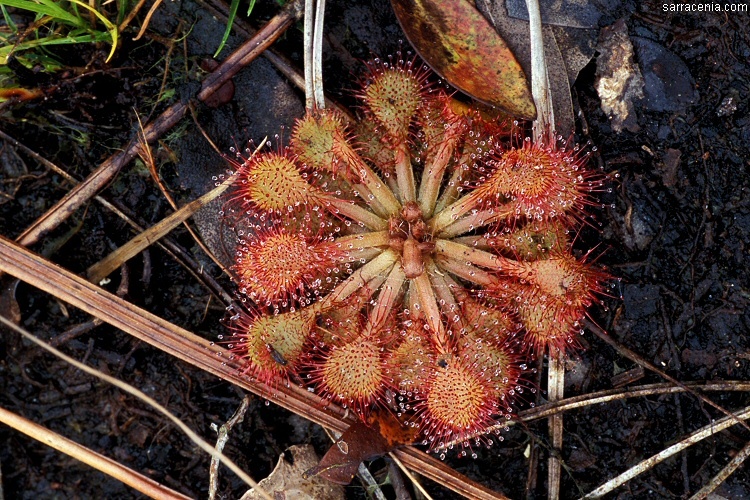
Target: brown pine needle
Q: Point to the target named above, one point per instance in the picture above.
(108, 464)
(112, 468)
(695, 437)
(114, 260)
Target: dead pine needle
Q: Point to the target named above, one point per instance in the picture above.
(695, 437)
(722, 476)
(107, 265)
(137, 481)
(143, 397)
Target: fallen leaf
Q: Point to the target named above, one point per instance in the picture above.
(362, 441)
(567, 51)
(618, 80)
(461, 46)
(287, 481)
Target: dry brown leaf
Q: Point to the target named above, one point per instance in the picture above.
(619, 82)
(286, 482)
(362, 441)
(567, 50)
(462, 47)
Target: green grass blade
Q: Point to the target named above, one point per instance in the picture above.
(8, 19)
(46, 8)
(47, 41)
(53, 9)
(111, 28)
(122, 10)
(230, 21)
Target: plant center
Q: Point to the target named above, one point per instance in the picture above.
(409, 235)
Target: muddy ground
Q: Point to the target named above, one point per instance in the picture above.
(675, 230)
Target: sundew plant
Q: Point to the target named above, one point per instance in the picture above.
(413, 259)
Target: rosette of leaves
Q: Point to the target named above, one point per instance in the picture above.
(413, 259)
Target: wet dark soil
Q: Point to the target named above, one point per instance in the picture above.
(674, 228)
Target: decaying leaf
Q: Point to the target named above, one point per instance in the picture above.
(287, 481)
(567, 50)
(462, 47)
(618, 80)
(8, 303)
(565, 13)
(362, 441)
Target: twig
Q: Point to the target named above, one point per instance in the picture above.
(373, 488)
(251, 49)
(544, 125)
(434, 469)
(153, 330)
(308, 36)
(611, 395)
(139, 482)
(313, 60)
(169, 246)
(543, 132)
(143, 240)
(555, 388)
(74, 332)
(147, 20)
(590, 325)
(146, 238)
(396, 478)
(133, 12)
(221, 441)
(411, 477)
(282, 64)
(317, 57)
(608, 396)
(184, 345)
